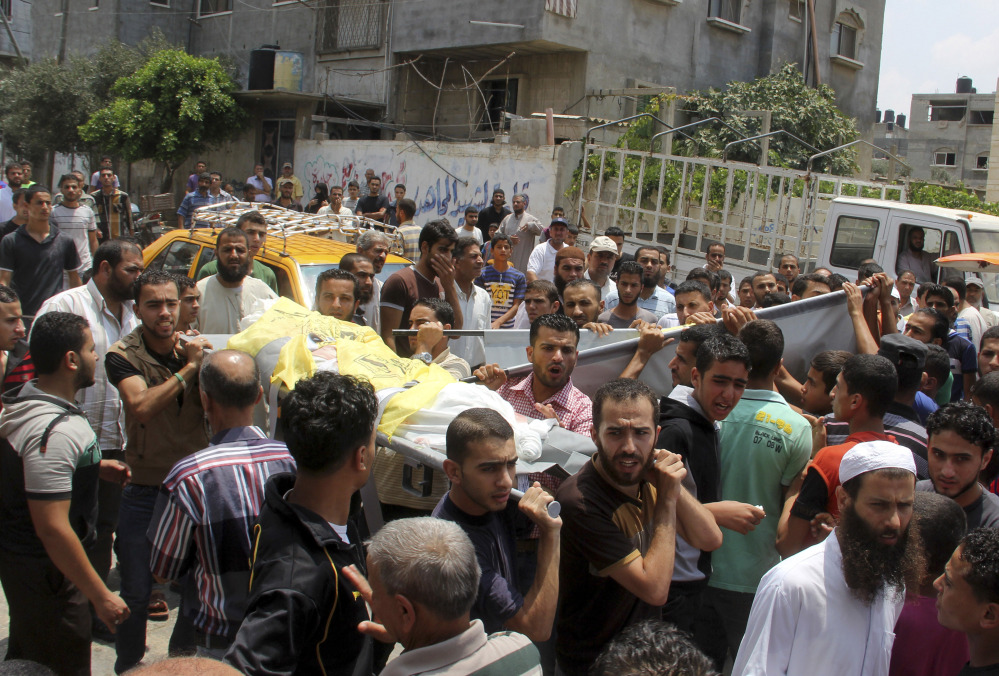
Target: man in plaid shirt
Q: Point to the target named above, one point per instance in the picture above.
(548, 392)
(210, 500)
(408, 233)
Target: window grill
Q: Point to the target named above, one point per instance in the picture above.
(350, 24)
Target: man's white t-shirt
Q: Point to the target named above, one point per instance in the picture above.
(542, 261)
(344, 211)
(474, 232)
(222, 308)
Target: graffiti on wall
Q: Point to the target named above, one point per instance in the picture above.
(470, 173)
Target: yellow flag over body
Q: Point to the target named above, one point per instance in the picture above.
(287, 318)
(360, 353)
(381, 366)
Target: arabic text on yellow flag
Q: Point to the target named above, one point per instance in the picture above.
(360, 353)
(287, 318)
(378, 364)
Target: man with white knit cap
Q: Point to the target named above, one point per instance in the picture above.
(831, 608)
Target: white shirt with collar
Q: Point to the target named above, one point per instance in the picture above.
(606, 289)
(805, 620)
(101, 401)
(476, 311)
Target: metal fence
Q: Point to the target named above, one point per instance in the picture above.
(685, 202)
(350, 24)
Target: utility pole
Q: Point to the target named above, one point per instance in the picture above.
(64, 24)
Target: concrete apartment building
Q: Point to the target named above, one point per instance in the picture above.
(992, 187)
(18, 13)
(567, 54)
(950, 135)
(452, 68)
(890, 134)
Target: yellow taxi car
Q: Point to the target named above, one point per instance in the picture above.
(296, 260)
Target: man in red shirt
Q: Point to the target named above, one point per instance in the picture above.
(864, 388)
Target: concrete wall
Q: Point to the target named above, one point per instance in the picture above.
(626, 44)
(442, 178)
(253, 24)
(856, 89)
(992, 186)
(291, 25)
(544, 80)
(21, 26)
(967, 140)
(444, 24)
(89, 27)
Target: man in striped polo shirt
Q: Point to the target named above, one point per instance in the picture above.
(76, 221)
(210, 500)
(424, 581)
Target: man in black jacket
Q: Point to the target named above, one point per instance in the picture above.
(688, 417)
(302, 615)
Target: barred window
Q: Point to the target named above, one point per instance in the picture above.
(350, 24)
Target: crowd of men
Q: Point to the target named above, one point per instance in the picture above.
(847, 524)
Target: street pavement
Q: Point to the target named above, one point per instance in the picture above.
(103, 655)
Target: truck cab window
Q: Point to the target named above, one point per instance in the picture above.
(854, 241)
(918, 247)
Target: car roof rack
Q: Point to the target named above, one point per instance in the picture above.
(283, 222)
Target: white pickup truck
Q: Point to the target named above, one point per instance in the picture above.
(762, 212)
(857, 229)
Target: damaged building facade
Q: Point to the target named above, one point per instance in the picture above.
(461, 69)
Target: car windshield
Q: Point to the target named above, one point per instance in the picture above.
(310, 273)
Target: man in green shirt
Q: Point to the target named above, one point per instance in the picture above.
(765, 444)
(255, 227)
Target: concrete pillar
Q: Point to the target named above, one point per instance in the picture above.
(992, 182)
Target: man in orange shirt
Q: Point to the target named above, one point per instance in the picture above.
(864, 388)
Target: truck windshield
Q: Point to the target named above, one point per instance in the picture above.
(987, 241)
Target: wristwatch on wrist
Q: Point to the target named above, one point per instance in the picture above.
(425, 357)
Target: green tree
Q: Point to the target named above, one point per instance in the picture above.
(174, 105)
(808, 113)
(957, 197)
(42, 104)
